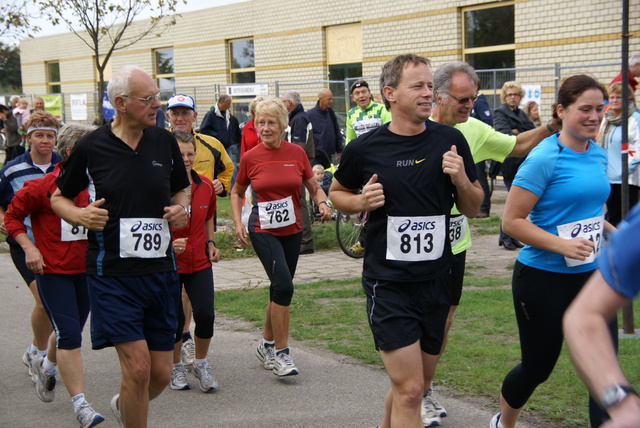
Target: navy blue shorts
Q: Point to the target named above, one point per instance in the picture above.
(127, 308)
(66, 300)
(401, 313)
(18, 258)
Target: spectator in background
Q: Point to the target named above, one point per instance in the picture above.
(161, 120)
(511, 120)
(322, 177)
(250, 135)
(610, 138)
(22, 113)
(13, 144)
(38, 104)
(221, 124)
(482, 112)
(326, 131)
(532, 109)
(299, 132)
(634, 73)
(367, 114)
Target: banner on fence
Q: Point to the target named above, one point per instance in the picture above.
(78, 106)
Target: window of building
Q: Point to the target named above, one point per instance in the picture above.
(165, 72)
(489, 43)
(344, 62)
(242, 61)
(53, 77)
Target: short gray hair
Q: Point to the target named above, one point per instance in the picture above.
(184, 137)
(224, 98)
(634, 59)
(119, 82)
(292, 96)
(444, 75)
(69, 136)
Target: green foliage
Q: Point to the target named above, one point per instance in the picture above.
(10, 75)
(15, 19)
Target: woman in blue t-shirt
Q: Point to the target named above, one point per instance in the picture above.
(562, 188)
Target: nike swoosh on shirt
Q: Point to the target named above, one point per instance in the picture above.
(421, 160)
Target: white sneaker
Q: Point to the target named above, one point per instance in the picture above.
(266, 354)
(437, 407)
(27, 357)
(115, 408)
(87, 417)
(179, 380)
(203, 374)
(45, 382)
(284, 364)
(188, 352)
(495, 421)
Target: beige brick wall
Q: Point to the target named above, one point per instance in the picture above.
(289, 42)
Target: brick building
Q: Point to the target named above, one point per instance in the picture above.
(287, 44)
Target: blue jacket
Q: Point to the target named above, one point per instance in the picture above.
(326, 131)
(215, 125)
(481, 110)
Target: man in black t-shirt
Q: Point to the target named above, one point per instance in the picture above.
(410, 172)
(135, 176)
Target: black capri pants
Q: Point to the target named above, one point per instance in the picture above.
(199, 288)
(279, 257)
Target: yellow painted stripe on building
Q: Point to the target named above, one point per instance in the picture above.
(416, 15)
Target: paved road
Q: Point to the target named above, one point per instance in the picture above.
(331, 391)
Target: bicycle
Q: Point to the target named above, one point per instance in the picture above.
(350, 232)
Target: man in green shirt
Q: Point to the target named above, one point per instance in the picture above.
(367, 115)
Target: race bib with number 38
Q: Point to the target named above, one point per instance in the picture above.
(145, 238)
(276, 214)
(457, 228)
(416, 239)
(591, 229)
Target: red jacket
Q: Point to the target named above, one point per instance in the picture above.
(203, 206)
(250, 137)
(33, 200)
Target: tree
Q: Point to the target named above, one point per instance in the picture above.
(15, 19)
(106, 26)
(10, 76)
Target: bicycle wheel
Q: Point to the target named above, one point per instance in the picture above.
(348, 231)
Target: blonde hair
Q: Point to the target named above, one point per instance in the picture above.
(23, 101)
(254, 103)
(273, 107)
(510, 85)
(317, 167)
(616, 88)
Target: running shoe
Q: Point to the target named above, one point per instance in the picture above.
(45, 382)
(87, 417)
(436, 406)
(188, 352)
(356, 248)
(204, 376)
(495, 421)
(27, 357)
(179, 380)
(284, 364)
(267, 355)
(115, 408)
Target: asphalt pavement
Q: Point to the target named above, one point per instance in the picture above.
(330, 391)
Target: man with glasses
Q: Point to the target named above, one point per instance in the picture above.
(367, 115)
(135, 176)
(212, 159)
(455, 92)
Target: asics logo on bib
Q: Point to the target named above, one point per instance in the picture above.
(276, 206)
(416, 225)
(585, 228)
(146, 226)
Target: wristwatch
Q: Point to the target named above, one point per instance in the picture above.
(615, 394)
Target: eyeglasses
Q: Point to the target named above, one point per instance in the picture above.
(512, 95)
(463, 100)
(184, 113)
(146, 100)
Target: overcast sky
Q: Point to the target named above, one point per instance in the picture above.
(47, 29)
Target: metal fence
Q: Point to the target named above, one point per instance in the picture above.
(548, 77)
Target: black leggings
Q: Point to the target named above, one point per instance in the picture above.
(199, 288)
(279, 256)
(540, 299)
